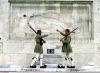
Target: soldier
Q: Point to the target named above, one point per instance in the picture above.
(38, 51)
(66, 48)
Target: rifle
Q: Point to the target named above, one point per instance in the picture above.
(71, 32)
(32, 28)
(41, 40)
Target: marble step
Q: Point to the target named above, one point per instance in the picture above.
(45, 70)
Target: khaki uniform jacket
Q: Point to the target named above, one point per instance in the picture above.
(66, 47)
(38, 47)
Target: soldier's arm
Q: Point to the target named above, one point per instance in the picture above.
(61, 33)
(37, 39)
(69, 39)
(42, 36)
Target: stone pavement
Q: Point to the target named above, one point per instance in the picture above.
(81, 69)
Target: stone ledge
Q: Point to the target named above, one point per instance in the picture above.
(39, 1)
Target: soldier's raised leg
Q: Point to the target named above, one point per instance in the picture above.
(35, 59)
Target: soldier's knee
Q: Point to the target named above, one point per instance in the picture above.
(65, 58)
(34, 58)
(70, 58)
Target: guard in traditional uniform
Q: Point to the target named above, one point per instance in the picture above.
(66, 49)
(38, 51)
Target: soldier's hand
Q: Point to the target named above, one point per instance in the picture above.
(61, 39)
(31, 16)
(28, 23)
(57, 30)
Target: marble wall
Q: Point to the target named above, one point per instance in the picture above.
(20, 52)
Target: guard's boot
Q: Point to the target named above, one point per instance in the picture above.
(33, 66)
(60, 66)
(70, 66)
(43, 66)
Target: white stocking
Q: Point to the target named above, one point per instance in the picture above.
(41, 60)
(35, 59)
